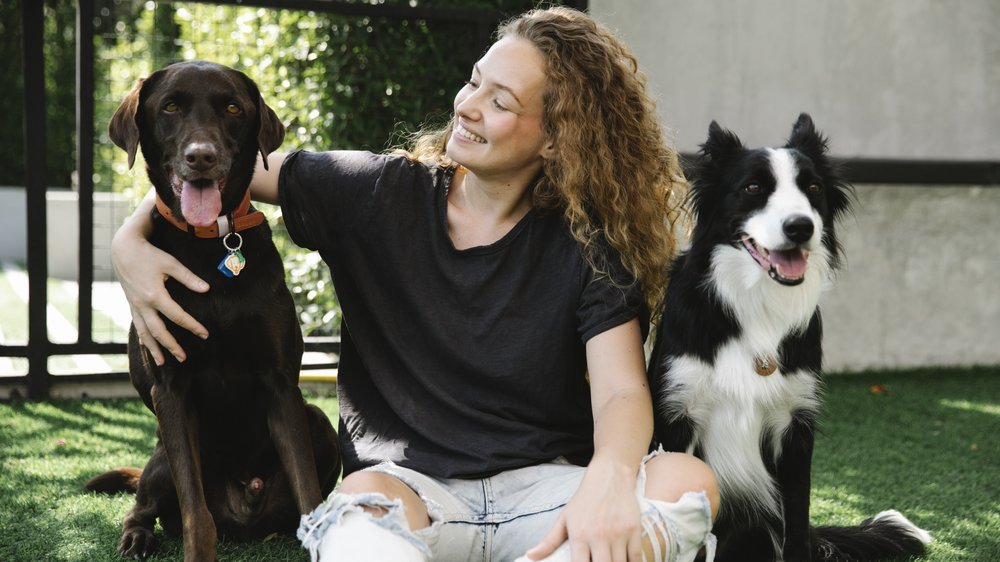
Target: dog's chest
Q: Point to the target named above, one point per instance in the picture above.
(730, 392)
(250, 317)
(738, 415)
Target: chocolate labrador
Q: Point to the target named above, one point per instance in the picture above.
(240, 453)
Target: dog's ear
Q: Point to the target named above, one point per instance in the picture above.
(806, 139)
(720, 143)
(270, 130)
(123, 130)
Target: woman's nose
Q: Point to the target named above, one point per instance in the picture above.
(467, 105)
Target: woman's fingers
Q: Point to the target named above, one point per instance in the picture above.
(159, 335)
(634, 547)
(169, 308)
(145, 339)
(184, 276)
(581, 551)
(143, 270)
(551, 541)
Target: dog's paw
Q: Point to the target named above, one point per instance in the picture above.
(137, 543)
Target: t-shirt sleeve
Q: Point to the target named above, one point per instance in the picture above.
(323, 193)
(610, 298)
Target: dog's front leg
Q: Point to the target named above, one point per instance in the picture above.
(154, 495)
(286, 419)
(793, 475)
(178, 428)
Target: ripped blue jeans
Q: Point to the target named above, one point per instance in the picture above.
(497, 519)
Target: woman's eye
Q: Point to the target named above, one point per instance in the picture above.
(472, 84)
(233, 109)
(499, 106)
(170, 107)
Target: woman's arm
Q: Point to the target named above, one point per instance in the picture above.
(142, 270)
(601, 521)
(264, 185)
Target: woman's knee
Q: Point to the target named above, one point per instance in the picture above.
(368, 522)
(392, 488)
(669, 476)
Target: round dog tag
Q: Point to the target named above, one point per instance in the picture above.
(765, 366)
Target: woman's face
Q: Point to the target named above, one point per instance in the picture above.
(498, 113)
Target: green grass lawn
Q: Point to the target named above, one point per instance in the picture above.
(927, 447)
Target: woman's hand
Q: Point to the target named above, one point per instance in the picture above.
(601, 521)
(142, 271)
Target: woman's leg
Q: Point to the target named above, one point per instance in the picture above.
(391, 487)
(372, 516)
(670, 475)
(681, 499)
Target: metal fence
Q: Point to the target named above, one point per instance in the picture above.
(37, 383)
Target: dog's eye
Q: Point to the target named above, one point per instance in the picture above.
(814, 188)
(233, 109)
(752, 188)
(170, 107)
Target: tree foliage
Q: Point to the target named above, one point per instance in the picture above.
(60, 92)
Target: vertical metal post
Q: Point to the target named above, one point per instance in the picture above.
(33, 15)
(85, 165)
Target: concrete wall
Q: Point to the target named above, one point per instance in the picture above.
(910, 79)
(63, 227)
(886, 78)
(921, 286)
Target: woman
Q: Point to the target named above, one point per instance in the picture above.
(496, 281)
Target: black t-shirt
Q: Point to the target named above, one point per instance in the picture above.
(454, 363)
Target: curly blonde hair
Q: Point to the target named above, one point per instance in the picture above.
(612, 173)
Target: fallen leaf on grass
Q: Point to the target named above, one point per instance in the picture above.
(878, 389)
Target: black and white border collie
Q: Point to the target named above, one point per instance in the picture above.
(735, 372)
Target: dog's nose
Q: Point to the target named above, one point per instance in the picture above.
(798, 229)
(200, 156)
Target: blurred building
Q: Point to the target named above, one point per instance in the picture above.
(909, 92)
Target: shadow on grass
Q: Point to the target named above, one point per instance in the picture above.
(927, 447)
(919, 442)
(47, 453)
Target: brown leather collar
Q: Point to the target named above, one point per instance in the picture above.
(236, 221)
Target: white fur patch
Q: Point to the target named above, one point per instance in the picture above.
(786, 201)
(899, 519)
(733, 409)
(767, 310)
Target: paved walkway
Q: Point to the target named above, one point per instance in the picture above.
(107, 298)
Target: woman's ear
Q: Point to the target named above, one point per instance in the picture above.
(549, 150)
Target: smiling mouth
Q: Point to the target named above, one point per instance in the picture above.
(462, 132)
(787, 267)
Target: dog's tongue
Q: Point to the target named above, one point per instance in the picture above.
(791, 264)
(201, 205)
